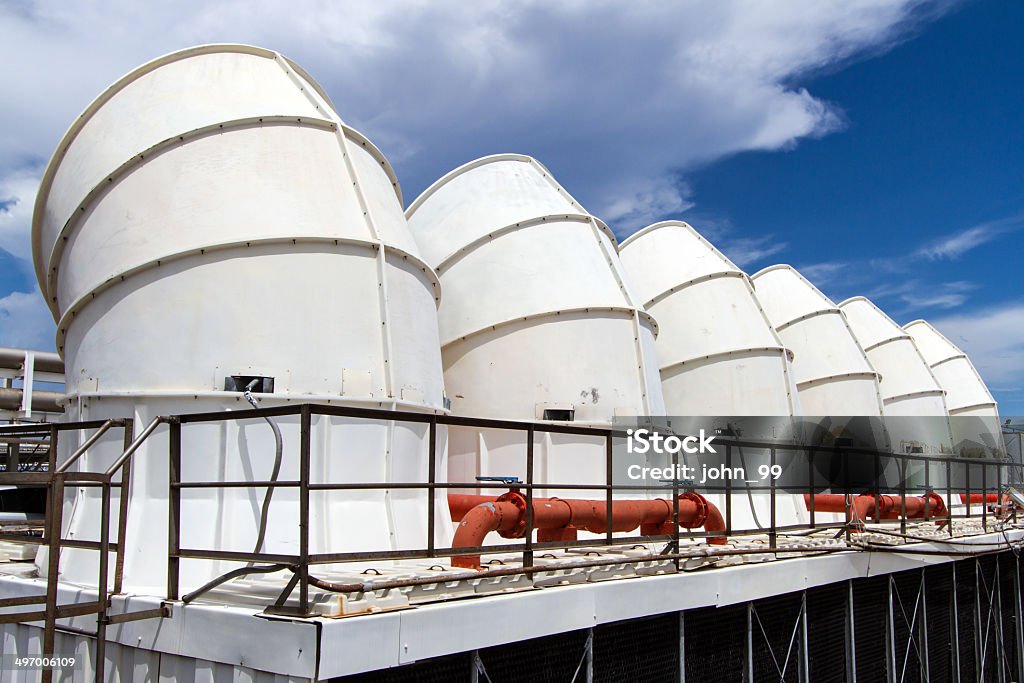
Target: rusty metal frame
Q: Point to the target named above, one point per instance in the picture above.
(57, 477)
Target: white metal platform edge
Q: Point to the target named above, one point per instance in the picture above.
(323, 648)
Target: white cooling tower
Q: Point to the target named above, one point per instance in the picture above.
(536, 322)
(210, 217)
(717, 353)
(913, 402)
(973, 412)
(833, 375)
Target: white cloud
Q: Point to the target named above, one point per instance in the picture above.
(994, 340)
(615, 97)
(17, 195)
(25, 322)
(746, 251)
(957, 244)
(822, 274)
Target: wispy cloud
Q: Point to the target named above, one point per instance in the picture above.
(17, 195)
(901, 277)
(959, 243)
(824, 273)
(993, 337)
(25, 322)
(746, 251)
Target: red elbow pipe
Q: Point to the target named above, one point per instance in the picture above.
(559, 519)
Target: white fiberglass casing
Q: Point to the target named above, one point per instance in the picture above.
(717, 352)
(833, 375)
(913, 402)
(536, 321)
(973, 412)
(211, 216)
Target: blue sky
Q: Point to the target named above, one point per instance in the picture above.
(874, 144)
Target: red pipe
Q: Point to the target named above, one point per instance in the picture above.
(984, 498)
(889, 507)
(558, 519)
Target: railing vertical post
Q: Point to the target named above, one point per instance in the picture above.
(810, 485)
(432, 483)
(528, 547)
(877, 489)
(773, 522)
(675, 506)
(174, 509)
(304, 447)
(103, 581)
(984, 497)
(903, 493)
(53, 531)
(122, 507)
(847, 497)
(967, 485)
(999, 491)
(949, 497)
(728, 491)
(608, 475)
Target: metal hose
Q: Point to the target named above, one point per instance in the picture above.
(278, 449)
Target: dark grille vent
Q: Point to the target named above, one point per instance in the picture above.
(966, 615)
(553, 659)
(908, 643)
(1007, 567)
(637, 650)
(989, 618)
(826, 632)
(716, 644)
(777, 617)
(938, 587)
(870, 600)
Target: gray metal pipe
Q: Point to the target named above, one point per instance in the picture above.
(45, 361)
(42, 401)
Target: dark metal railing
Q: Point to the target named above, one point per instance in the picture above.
(60, 475)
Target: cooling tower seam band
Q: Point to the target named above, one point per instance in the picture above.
(959, 356)
(973, 406)
(781, 350)
(808, 316)
(846, 375)
(385, 315)
(472, 246)
(887, 341)
(328, 399)
(689, 228)
(381, 265)
(291, 69)
(495, 158)
(64, 322)
(111, 180)
(626, 310)
(915, 394)
(71, 134)
(695, 281)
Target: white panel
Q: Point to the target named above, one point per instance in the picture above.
(911, 395)
(535, 307)
(717, 353)
(974, 415)
(833, 375)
